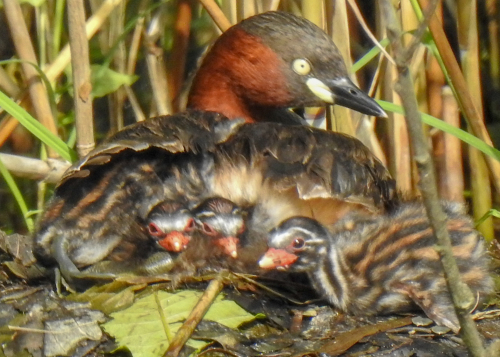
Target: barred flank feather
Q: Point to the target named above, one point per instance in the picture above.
(387, 263)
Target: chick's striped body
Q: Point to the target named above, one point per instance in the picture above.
(99, 211)
(388, 263)
(107, 216)
(102, 210)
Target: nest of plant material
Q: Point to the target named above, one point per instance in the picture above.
(220, 315)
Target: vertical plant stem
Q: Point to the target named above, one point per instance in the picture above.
(480, 181)
(156, 67)
(117, 98)
(81, 78)
(93, 24)
(492, 9)
(24, 49)
(58, 28)
(216, 13)
(182, 30)
(463, 300)
(452, 181)
(338, 29)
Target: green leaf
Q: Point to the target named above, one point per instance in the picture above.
(491, 213)
(36, 128)
(105, 80)
(363, 61)
(108, 298)
(140, 327)
(34, 3)
(17, 195)
(447, 128)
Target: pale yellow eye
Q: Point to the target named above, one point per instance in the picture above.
(301, 66)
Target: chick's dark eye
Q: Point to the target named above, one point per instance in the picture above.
(208, 229)
(154, 230)
(190, 225)
(298, 244)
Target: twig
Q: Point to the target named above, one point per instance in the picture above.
(24, 49)
(216, 13)
(461, 294)
(50, 171)
(194, 318)
(81, 78)
(362, 22)
(419, 32)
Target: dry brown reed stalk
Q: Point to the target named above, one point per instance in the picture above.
(216, 13)
(492, 10)
(134, 46)
(7, 126)
(117, 99)
(82, 87)
(400, 156)
(26, 52)
(182, 30)
(156, 67)
(7, 85)
(468, 43)
(340, 35)
(450, 168)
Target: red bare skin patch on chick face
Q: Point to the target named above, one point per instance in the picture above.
(277, 258)
(174, 242)
(229, 245)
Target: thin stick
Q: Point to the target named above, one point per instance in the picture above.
(81, 78)
(194, 318)
(26, 52)
(462, 297)
(364, 26)
(50, 170)
(216, 13)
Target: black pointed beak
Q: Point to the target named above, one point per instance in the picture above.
(344, 92)
(347, 94)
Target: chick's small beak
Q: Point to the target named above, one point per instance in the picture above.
(277, 258)
(229, 246)
(174, 242)
(344, 92)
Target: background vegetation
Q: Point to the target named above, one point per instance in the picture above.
(142, 54)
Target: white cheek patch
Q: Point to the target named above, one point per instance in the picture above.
(320, 90)
(280, 239)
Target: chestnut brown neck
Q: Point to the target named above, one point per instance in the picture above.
(240, 77)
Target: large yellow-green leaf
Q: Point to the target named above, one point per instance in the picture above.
(140, 327)
(105, 80)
